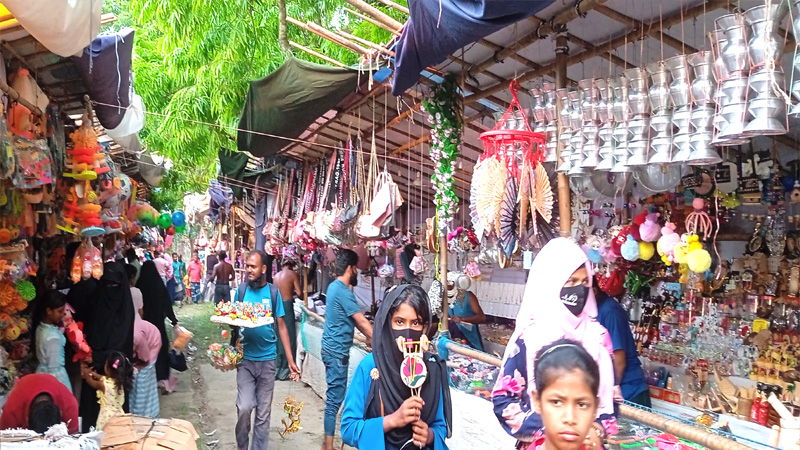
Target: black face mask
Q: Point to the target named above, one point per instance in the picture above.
(405, 333)
(574, 298)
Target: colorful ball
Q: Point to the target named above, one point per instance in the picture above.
(180, 229)
(646, 250)
(224, 334)
(178, 218)
(699, 261)
(171, 230)
(26, 289)
(164, 220)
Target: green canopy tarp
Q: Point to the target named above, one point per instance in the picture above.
(287, 101)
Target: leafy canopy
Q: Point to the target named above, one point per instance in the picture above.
(194, 60)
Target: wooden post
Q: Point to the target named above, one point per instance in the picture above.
(564, 202)
(443, 271)
(305, 286)
(376, 13)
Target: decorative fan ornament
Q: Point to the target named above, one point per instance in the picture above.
(544, 194)
(507, 220)
(524, 197)
(474, 194)
(491, 192)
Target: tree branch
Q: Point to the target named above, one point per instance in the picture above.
(283, 40)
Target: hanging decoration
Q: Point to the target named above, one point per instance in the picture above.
(445, 115)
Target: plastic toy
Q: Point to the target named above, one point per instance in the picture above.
(75, 336)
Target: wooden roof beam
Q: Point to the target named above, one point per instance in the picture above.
(372, 21)
(608, 46)
(325, 34)
(648, 29)
(607, 55)
(317, 54)
(545, 28)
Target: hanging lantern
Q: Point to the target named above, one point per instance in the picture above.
(512, 136)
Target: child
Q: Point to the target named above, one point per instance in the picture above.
(50, 340)
(567, 380)
(110, 388)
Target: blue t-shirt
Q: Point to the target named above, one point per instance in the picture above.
(340, 307)
(259, 343)
(613, 317)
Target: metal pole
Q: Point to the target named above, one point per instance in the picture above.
(564, 202)
(443, 271)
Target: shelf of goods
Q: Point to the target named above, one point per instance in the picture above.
(474, 373)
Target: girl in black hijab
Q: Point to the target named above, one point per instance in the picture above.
(106, 308)
(157, 308)
(379, 410)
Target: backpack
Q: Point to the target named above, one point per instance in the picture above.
(273, 296)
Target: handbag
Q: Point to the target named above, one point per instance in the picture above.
(386, 270)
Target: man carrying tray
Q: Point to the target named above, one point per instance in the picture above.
(255, 376)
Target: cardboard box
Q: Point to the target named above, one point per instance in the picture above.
(663, 394)
(141, 433)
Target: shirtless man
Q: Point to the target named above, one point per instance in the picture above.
(288, 284)
(222, 276)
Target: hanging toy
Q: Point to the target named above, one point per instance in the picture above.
(697, 258)
(630, 249)
(681, 250)
(698, 220)
(646, 250)
(77, 264)
(291, 424)
(666, 243)
(649, 229)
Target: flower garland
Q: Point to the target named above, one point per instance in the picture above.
(445, 115)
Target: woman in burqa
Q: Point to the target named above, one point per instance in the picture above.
(106, 310)
(379, 411)
(558, 303)
(157, 308)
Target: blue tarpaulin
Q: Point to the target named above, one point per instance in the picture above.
(436, 29)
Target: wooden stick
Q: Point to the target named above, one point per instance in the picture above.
(369, 44)
(317, 54)
(564, 193)
(372, 21)
(370, 10)
(474, 354)
(395, 6)
(325, 34)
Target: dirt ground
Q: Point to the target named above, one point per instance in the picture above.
(207, 397)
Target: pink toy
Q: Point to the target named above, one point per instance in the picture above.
(649, 230)
(698, 220)
(666, 243)
(74, 333)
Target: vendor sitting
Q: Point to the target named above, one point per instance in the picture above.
(465, 311)
(39, 401)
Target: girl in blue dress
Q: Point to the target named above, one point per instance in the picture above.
(379, 411)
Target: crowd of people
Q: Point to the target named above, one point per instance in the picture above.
(571, 356)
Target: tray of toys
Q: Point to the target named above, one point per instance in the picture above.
(241, 314)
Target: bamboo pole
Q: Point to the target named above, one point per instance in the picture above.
(325, 34)
(369, 44)
(564, 201)
(395, 6)
(370, 10)
(474, 354)
(653, 32)
(372, 21)
(444, 324)
(317, 54)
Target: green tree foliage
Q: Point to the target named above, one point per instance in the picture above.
(194, 60)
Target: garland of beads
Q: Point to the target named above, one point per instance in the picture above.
(442, 107)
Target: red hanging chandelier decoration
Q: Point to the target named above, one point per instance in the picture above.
(512, 137)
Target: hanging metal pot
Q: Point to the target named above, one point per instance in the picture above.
(683, 147)
(734, 90)
(638, 95)
(767, 84)
(703, 118)
(661, 123)
(606, 156)
(766, 45)
(734, 54)
(589, 101)
(621, 156)
(719, 43)
(658, 93)
(702, 152)
(704, 85)
(661, 150)
(638, 153)
(769, 117)
(682, 119)
(605, 102)
(621, 108)
(736, 117)
(679, 89)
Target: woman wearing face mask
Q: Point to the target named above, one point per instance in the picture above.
(558, 304)
(379, 411)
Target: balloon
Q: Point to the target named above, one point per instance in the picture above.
(178, 218)
(171, 230)
(164, 220)
(179, 229)
(168, 241)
